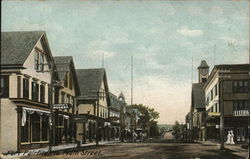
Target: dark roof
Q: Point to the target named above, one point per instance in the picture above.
(16, 46)
(90, 81)
(233, 67)
(198, 95)
(63, 65)
(203, 64)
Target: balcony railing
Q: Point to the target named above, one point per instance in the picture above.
(240, 112)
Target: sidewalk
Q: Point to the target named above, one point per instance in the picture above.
(54, 149)
(234, 149)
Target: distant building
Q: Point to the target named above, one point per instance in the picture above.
(92, 105)
(115, 117)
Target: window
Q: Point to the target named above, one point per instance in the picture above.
(18, 86)
(45, 127)
(204, 79)
(212, 93)
(241, 105)
(26, 88)
(35, 127)
(25, 130)
(70, 81)
(241, 86)
(42, 93)
(4, 89)
(68, 98)
(216, 90)
(66, 80)
(62, 97)
(35, 90)
(38, 61)
(49, 94)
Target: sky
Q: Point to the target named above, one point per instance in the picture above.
(162, 36)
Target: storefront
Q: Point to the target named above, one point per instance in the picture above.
(34, 128)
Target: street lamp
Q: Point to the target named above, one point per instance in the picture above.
(222, 76)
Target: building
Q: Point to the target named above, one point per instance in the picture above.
(227, 95)
(92, 105)
(65, 127)
(198, 110)
(115, 117)
(26, 61)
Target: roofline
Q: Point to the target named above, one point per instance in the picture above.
(215, 68)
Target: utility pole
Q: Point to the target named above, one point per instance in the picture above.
(222, 76)
(222, 144)
(97, 121)
(191, 109)
(249, 108)
(102, 59)
(131, 80)
(50, 102)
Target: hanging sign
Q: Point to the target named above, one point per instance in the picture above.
(61, 106)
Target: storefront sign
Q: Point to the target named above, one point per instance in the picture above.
(61, 106)
(213, 114)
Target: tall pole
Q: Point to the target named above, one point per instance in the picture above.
(249, 105)
(214, 54)
(191, 109)
(131, 80)
(222, 144)
(97, 121)
(102, 59)
(50, 102)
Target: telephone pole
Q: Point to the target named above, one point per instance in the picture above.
(131, 80)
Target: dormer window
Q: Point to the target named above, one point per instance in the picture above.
(38, 61)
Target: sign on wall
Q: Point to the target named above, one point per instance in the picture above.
(61, 106)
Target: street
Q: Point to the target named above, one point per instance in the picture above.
(150, 151)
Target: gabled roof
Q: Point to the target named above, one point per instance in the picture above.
(63, 65)
(90, 81)
(16, 46)
(198, 95)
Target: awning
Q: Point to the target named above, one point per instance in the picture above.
(31, 111)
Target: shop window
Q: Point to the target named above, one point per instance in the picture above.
(26, 88)
(25, 130)
(35, 120)
(4, 89)
(42, 93)
(45, 127)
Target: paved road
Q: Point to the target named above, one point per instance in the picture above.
(150, 151)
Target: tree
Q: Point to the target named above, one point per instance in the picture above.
(147, 117)
(177, 130)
